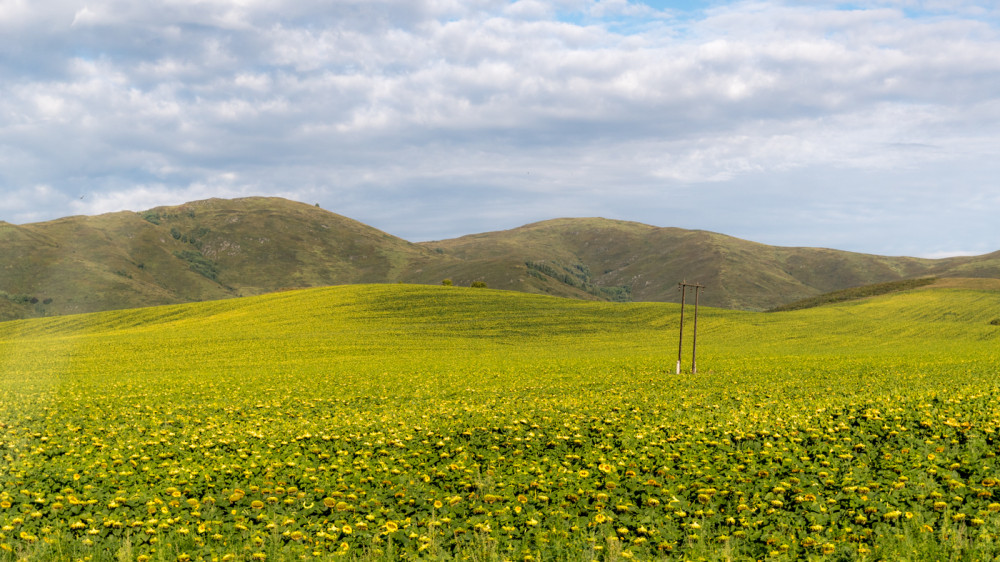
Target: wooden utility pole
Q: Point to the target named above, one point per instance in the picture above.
(680, 340)
(683, 285)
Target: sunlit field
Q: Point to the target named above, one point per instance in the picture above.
(394, 421)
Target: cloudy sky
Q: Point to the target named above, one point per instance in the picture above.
(867, 126)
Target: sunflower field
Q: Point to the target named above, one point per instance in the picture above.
(388, 422)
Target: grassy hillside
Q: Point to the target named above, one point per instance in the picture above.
(648, 262)
(392, 420)
(257, 245)
(81, 264)
(203, 250)
(217, 248)
(855, 293)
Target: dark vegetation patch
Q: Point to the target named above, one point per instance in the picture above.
(199, 263)
(22, 299)
(194, 237)
(156, 217)
(577, 275)
(855, 293)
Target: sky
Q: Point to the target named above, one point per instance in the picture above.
(868, 126)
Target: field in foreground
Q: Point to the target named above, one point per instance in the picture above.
(383, 422)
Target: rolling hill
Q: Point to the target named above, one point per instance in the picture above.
(217, 248)
(203, 250)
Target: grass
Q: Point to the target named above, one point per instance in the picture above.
(395, 421)
(855, 293)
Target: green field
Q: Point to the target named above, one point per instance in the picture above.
(391, 421)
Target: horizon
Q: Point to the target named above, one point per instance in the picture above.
(139, 211)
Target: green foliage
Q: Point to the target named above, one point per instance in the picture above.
(855, 293)
(616, 294)
(478, 285)
(447, 282)
(578, 275)
(190, 237)
(401, 421)
(199, 263)
(18, 298)
(151, 217)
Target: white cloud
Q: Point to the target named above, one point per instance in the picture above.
(138, 104)
(27, 204)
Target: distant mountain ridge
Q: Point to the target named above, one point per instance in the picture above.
(220, 248)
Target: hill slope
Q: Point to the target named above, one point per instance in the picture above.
(198, 251)
(571, 256)
(313, 330)
(224, 248)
